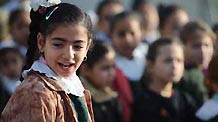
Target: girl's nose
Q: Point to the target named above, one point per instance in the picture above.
(68, 53)
(128, 38)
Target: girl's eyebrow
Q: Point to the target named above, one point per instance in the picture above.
(65, 40)
(59, 39)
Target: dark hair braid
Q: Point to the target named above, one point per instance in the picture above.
(32, 52)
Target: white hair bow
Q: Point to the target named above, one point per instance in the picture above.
(35, 4)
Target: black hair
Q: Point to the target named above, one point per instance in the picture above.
(165, 11)
(97, 52)
(119, 17)
(104, 3)
(137, 3)
(153, 49)
(14, 15)
(191, 28)
(46, 22)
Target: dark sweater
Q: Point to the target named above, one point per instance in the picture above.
(151, 107)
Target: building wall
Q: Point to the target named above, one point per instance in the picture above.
(197, 9)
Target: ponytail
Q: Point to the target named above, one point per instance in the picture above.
(32, 51)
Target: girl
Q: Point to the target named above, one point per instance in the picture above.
(150, 19)
(158, 101)
(97, 73)
(198, 40)
(11, 65)
(18, 23)
(172, 18)
(208, 112)
(105, 10)
(51, 91)
(126, 35)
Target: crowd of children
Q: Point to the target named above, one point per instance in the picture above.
(145, 64)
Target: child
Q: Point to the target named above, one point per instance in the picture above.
(198, 40)
(97, 73)
(208, 111)
(172, 19)
(19, 28)
(106, 9)
(126, 35)
(51, 90)
(11, 64)
(150, 19)
(158, 101)
(4, 35)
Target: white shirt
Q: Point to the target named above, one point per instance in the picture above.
(72, 85)
(133, 68)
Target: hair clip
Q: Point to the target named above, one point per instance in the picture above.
(48, 16)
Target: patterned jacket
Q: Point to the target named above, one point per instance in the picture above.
(42, 99)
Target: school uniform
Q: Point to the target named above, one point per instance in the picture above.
(193, 83)
(7, 88)
(152, 107)
(4, 96)
(133, 68)
(44, 97)
(208, 111)
(106, 105)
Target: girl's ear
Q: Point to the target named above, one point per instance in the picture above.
(41, 42)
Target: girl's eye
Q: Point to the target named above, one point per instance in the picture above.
(77, 47)
(58, 45)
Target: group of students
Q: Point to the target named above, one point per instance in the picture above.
(127, 71)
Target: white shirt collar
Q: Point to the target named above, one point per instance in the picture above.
(72, 85)
(209, 109)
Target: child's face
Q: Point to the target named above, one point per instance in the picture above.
(106, 14)
(12, 65)
(20, 29)
(199, 49)
(169, 64)
(151, 18)
(103, 72)
(174, 23)
(65, 48)
(126, 36)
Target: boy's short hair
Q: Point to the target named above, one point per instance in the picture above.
(191, 28)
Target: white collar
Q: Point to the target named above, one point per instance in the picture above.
(209, 109)
(72, 85)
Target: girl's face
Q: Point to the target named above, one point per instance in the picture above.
(174, 23)
(65, 48)
(103, 72)
(150, 15)
(11, 66)
(20, 29)
(169, 63)
(126, 36)
(199, 50)
(107, 13)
